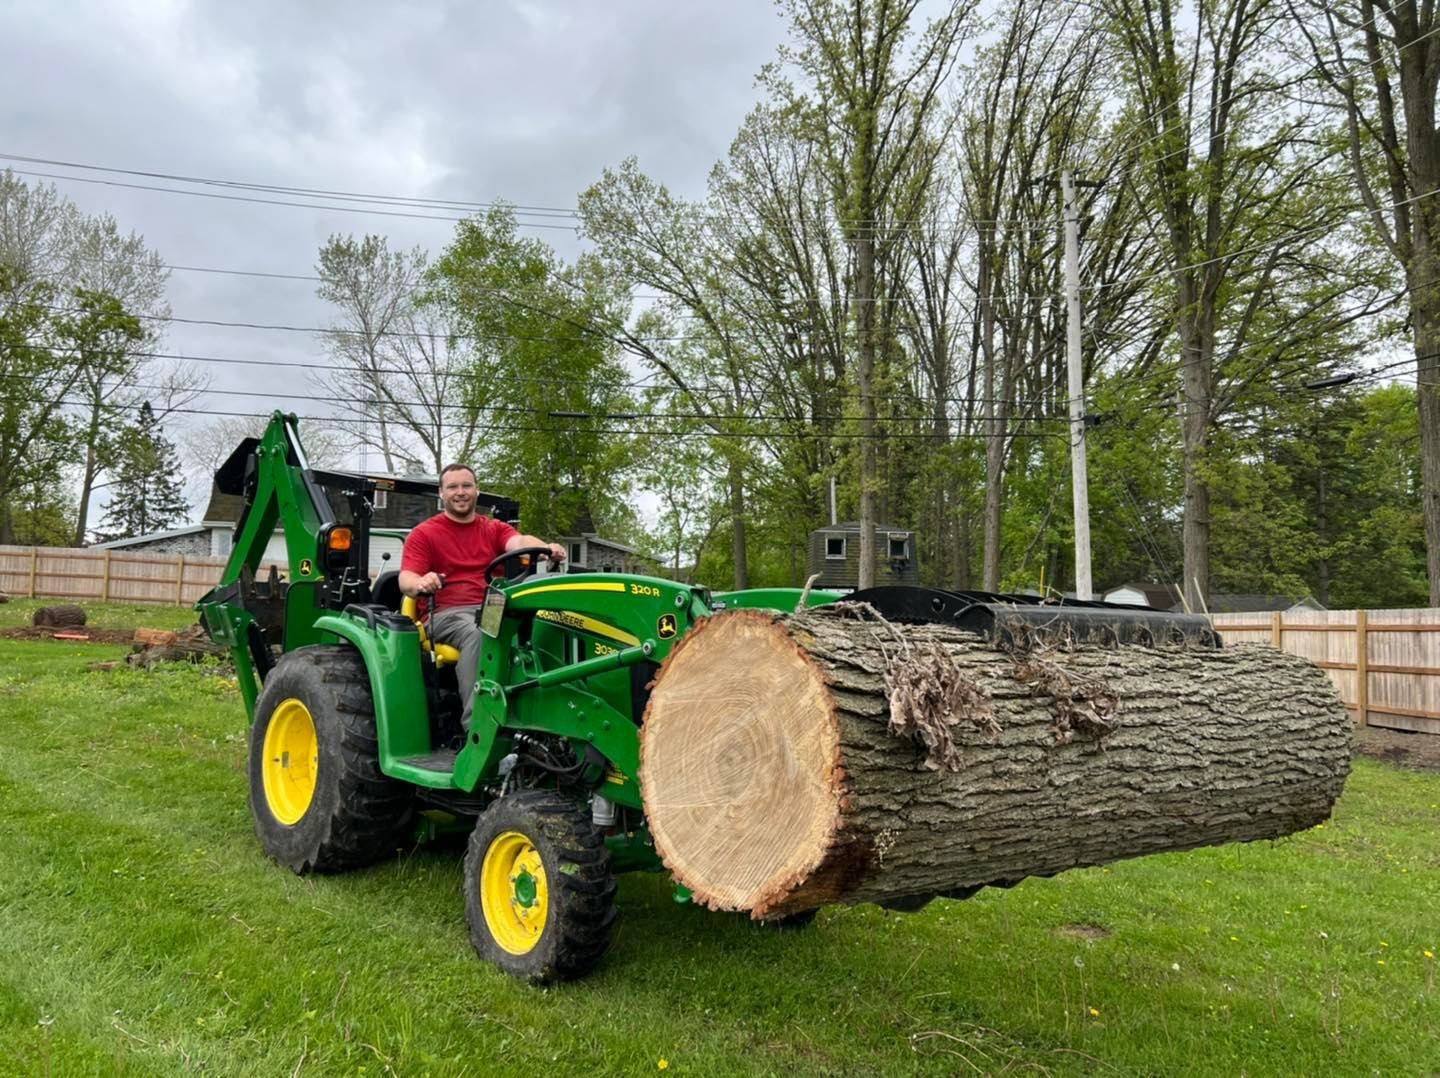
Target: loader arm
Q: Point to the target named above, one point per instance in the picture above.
(245, 612)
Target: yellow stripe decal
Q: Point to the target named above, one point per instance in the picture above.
(589, 625)
(617, 586)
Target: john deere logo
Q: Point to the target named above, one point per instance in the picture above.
(666, 627)
(306, 567)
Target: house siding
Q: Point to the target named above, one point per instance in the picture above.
(845, 572)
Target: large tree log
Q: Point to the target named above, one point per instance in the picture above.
(66, 616)
(790, 762)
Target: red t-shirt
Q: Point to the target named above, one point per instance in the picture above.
(459, 553)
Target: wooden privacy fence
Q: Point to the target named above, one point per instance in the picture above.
(1384, 663)
(78, 574)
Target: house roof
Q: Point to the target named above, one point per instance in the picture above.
(151, 537)
(596, 537)
(1250, 604)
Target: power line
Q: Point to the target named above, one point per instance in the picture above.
(404, 206)
(272, 201)
(648, 432)
(316, 192)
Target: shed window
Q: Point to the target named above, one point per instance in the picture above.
(835, 546)
(898, 546)
(381, 499)
(575, 554)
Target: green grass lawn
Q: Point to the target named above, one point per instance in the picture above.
(102, 615)
(142, 932)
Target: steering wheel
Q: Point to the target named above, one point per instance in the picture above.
(520, 570)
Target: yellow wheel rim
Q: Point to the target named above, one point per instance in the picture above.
(513, 892)
(292, 758)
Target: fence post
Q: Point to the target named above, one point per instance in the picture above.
(1277, 628)
(34, 567)
(1362, 667)
(180, 582)
(105, 580)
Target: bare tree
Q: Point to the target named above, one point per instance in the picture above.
(373, 290)
(428, 386)
(205, 446)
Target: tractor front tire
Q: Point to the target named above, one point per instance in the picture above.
(539, 894)
(317, 794)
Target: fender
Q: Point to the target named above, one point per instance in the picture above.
(393, 660)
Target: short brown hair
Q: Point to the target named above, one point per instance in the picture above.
(456, 468)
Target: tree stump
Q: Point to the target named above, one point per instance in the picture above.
(65, 616)
(789, 762)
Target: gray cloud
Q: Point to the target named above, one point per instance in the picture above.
(524, 101)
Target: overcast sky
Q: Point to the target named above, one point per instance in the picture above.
(521, 101)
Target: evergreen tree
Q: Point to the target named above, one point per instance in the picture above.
(146, 495)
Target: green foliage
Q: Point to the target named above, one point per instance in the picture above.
(42, 514)
(146, 495)
(49, 346)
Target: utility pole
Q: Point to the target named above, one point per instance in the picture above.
(1078, 468)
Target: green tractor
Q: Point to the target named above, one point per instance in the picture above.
(356, 748)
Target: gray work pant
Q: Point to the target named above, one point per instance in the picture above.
(456, 626)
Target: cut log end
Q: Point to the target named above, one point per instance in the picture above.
(740, 765)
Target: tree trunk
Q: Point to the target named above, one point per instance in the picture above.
(67, 616)
(864, 380)
(1424, 280)
(87, 484)
(773, 782)
(738, 550)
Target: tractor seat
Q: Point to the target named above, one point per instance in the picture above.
(386, 590)
(445, 654)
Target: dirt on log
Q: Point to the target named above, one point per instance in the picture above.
(66, 616)
(792, 762)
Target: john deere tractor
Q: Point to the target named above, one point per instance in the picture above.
(356, 748)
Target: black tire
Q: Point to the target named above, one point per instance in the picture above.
(340, 811)
(564, 936)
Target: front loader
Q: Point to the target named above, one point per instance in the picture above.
(356, 748)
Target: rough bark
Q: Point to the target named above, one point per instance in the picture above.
(66, 615)
(773, 782)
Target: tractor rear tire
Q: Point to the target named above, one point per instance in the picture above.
(317, 794)
(539, 893)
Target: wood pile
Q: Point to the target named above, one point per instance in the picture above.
(161, 645)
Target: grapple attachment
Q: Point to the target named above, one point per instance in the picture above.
(1027, 621)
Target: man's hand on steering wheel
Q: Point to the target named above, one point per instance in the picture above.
(520, 568)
